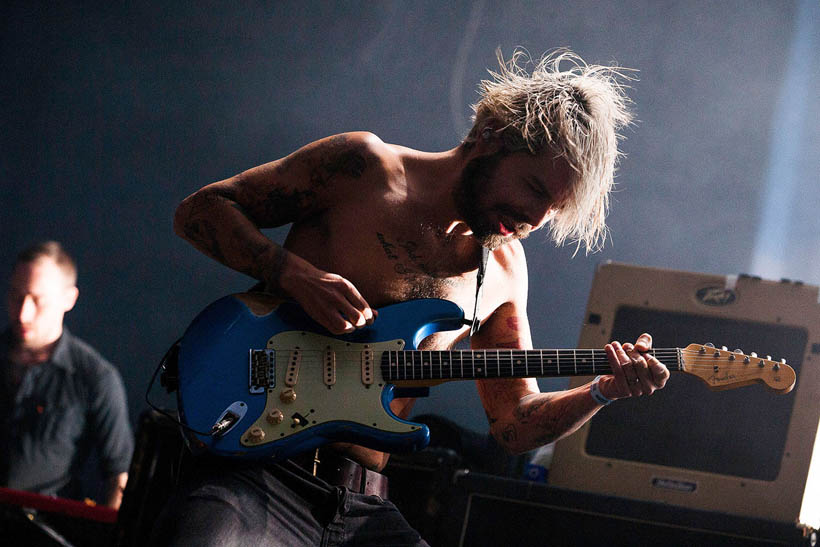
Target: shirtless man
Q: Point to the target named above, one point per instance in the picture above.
(376, 223)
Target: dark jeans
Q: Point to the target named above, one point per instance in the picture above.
(224, 503)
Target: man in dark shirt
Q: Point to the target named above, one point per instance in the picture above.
(60, 400)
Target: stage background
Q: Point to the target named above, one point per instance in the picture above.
(113, 113)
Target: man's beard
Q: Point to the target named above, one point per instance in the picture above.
(476, 179)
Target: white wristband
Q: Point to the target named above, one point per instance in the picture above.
(596, 393)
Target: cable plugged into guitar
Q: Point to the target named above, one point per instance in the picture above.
(229, 418)
(222, 426)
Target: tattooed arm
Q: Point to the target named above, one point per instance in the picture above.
(223, 220)
(521, 417)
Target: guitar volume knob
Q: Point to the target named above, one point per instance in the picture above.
(287, 396)
(256, 434)
(275, 417)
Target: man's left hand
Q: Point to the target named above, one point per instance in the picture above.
(634, 372)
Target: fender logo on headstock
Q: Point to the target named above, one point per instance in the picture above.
(725, 378)
(724, 369)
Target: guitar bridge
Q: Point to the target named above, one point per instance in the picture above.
(261, 370)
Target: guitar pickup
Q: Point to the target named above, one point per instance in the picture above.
(261, 370)
(367, 366)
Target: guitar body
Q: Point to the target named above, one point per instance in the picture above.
(259, 379)
(275, 383)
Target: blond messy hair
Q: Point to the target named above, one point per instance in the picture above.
(575, 113)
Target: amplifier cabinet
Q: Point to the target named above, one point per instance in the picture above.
(487, 510)
(747, 451)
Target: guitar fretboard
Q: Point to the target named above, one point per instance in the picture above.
(505, 363)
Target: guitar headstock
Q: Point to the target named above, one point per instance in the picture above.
(724, 369)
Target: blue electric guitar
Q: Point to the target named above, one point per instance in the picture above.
(259, 379)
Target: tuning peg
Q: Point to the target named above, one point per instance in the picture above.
(768, 357)
(724, 348)
(753, 354)
(709, 345)
(739, 351)
(783, 361)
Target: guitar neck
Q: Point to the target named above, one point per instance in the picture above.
(420, 367)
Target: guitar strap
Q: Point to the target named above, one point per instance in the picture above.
(479, 285)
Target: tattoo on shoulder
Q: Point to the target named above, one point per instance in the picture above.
(339, 159)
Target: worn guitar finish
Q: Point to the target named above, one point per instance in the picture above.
(259, 379)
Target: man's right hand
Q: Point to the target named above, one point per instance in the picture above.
(329, 299)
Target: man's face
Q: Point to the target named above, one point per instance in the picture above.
(39, 296)
(505, 196)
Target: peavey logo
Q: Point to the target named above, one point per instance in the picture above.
(716, 296)
(672, 484)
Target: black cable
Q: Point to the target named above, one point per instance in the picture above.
(162, 365)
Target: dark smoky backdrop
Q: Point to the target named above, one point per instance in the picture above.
(112, 113)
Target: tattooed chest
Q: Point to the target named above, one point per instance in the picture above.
(387, 268)
(422, 270)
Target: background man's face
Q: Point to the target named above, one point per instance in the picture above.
(39, 296)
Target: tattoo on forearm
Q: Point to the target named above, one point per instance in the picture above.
(524, 413)
(274, 274)
(510, 435)
(240, 209)
(203, 232)
(203, 205)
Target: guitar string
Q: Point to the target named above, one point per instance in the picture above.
(534, 357)
(517, 362)
(598, 353)
(503, 363)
